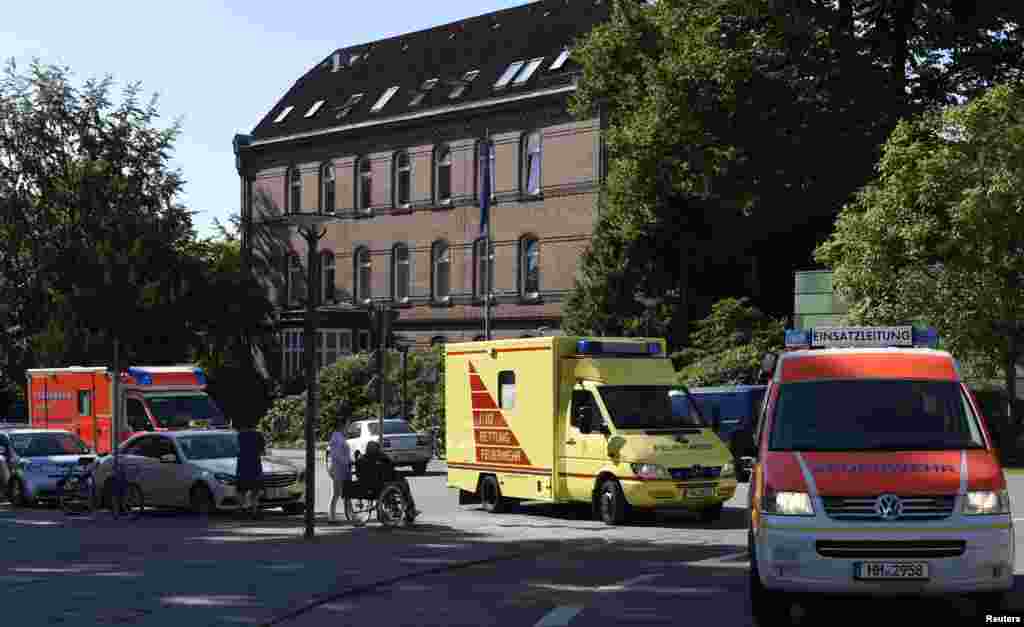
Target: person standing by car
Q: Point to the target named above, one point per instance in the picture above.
(249, 472)
(339, 464)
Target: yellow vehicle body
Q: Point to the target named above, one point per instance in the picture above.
(509, 415)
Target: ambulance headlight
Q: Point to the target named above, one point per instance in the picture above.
(650, 471)
(728, 470)
(987, 502)
(787, 503)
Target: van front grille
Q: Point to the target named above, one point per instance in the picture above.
(915, 508)
(279, 480)
(695, 472)
(890, 549)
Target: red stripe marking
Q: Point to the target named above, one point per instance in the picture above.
(522, 470)
(868, 366)
(477, 352)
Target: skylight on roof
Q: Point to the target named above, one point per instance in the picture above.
(460, 86)
(353, 100)
(528, 71)
(560, 60)
(509, 73)
(383, 100)
(312, 110)
(283, 114)
(429, 84)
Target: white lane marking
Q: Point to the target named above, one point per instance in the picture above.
(559, 617)
(628, 583)
(708, 590)
(731, 557)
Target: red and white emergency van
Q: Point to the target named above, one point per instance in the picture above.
(153, 398)
(875, 475)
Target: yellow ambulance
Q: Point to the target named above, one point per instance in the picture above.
(600, 421)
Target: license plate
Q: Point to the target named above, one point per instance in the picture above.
(891, 570)
(698, 493)
(277, 493)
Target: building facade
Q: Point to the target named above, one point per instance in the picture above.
(385, 138)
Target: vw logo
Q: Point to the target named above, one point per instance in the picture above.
(889, 507)
(698, 469)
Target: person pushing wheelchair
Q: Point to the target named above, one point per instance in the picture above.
(375, 467)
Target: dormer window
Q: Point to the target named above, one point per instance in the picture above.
(510, 72)
(383, 100)
(312, 110)
(428, 85)
(461, 87)
(560, 60)
(284, 113)
(528, 71)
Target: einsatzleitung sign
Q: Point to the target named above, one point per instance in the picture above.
(862, 336)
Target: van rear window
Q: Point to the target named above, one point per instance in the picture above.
(873, 415)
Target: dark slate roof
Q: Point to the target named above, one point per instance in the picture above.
(488, 43)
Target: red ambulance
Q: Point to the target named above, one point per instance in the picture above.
(153, 398)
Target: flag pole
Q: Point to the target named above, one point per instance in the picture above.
(485, 205)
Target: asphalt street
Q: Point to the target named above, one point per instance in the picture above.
(539, 566)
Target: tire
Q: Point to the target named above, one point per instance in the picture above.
(294, 508)
(201, 500)
(711, 514)
(610, 504)
(392, 506)
(71, 501)
(768, 607)
(419, 469)
(133, 502)
(490, 495)
(16, 493)
(358, 511)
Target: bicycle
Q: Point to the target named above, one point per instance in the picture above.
(76, 491)
(388, 501)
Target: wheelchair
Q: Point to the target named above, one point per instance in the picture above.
(367, 497)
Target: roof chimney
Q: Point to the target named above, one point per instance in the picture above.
(336, 61)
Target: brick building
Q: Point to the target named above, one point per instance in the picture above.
(384, 137)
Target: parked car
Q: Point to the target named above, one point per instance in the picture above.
(196, 469)
(736, 408)
(34, 460)
(402, 445)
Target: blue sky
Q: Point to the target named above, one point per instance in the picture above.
(219, 66)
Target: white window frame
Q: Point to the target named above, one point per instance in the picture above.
(401, 171)
(313, 110)
(527, 189)
(384, 98)
(363, 293)
(560, 60)
(467, 79)
(395, 263)
(509, 74)
(442, 159)
(528, 70)
(284, 113)
(364, 199)
(523, 265)
(294, 190)
(435, 261)
(328, 189)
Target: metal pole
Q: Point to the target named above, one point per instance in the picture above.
(487, 244)
(380, 371)
(309, 355)
(405, 380)
(115, 415)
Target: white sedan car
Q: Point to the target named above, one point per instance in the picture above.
(196, 469)
(402, 445)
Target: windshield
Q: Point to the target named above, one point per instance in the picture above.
(47, 444)
(650, 407)
(873, 415)
(202, 447)
(391, 427)
(179, 410)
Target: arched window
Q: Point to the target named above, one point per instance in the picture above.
(443, 176)
(362, 275)
(327, 188)
(529, 267)
(403, 180)
(294, 190)
(531, 164)
(364, 186)
(437, 340)
(441, 257)
(483, 269)
(296, 281)
(400, 273)
(327, 275)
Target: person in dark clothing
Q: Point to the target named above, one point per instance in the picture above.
(375, 467)
(249, 472)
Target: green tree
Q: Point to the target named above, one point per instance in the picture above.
(938, 236)
(728, 345)
(723, 121)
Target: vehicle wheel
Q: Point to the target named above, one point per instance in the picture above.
(610, 504)
(419, 469)
(71, 501)
(133, 502)
(201, 500)
(294, 508)
(711, 514)
(392, 506)
(16, 493)
(490, 495)
(768, 607)
(355, 456)
(358, 511)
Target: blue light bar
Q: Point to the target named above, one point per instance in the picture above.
(200, 377)
(654, 348)
(862, 337)
(599, 347)
(141, 376)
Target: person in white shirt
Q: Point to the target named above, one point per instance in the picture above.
(339, 465)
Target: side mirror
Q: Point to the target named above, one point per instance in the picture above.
(169, 458)
(615, 444)
(585, 419)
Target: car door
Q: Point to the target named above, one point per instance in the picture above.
(582, 453)
(138, 421)
(170, 478)
(355, 434)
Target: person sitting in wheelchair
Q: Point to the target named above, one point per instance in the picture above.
(375, 468)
